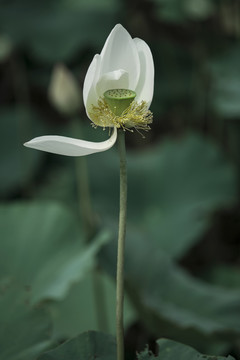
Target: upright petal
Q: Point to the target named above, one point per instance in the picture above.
(120, 52)
(70, 147)
(91, 78)
(145, 86)
(118, 79)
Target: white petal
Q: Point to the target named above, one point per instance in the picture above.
(120, 52)
(71, 147)
(113, 80)
(145, 84)
(91, 78)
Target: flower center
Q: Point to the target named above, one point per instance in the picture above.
(118, 108)
(119, 99)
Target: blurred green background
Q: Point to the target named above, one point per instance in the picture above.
(57, 252)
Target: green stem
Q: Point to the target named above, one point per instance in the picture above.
(85, 203)
(83, 189)
(121, 246)
(90, 228)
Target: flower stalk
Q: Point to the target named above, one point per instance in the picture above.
(121, 246)
(117, 93)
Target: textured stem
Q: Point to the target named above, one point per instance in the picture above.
(83, 188)
(85, 203)
(90, 228)
(121, 246)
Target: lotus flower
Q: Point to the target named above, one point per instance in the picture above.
(117, 93)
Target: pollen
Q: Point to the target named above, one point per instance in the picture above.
(135, 116)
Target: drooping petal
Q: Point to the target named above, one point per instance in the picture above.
(91, 78)
(70, 147)
(120, 52)
(145, 86)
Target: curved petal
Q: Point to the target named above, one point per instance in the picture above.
(112, 80)
(117, 79)
(89, 93)
(120, 52)
(71, 147)
(145, 86)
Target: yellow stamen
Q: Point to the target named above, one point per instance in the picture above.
(136, 115)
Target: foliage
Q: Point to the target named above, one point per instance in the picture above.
(182, 250)
(86, 346)
(102, 346)
(172, 350)
(24, 331)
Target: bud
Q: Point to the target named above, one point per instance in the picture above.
(64, 92)
(5, 47)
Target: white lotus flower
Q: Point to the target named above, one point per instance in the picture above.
(117, 92)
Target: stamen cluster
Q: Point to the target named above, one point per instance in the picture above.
(136, 115)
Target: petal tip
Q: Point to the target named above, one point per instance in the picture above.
(119, 28)
(26, 144)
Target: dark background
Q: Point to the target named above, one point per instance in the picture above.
(183, 250)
